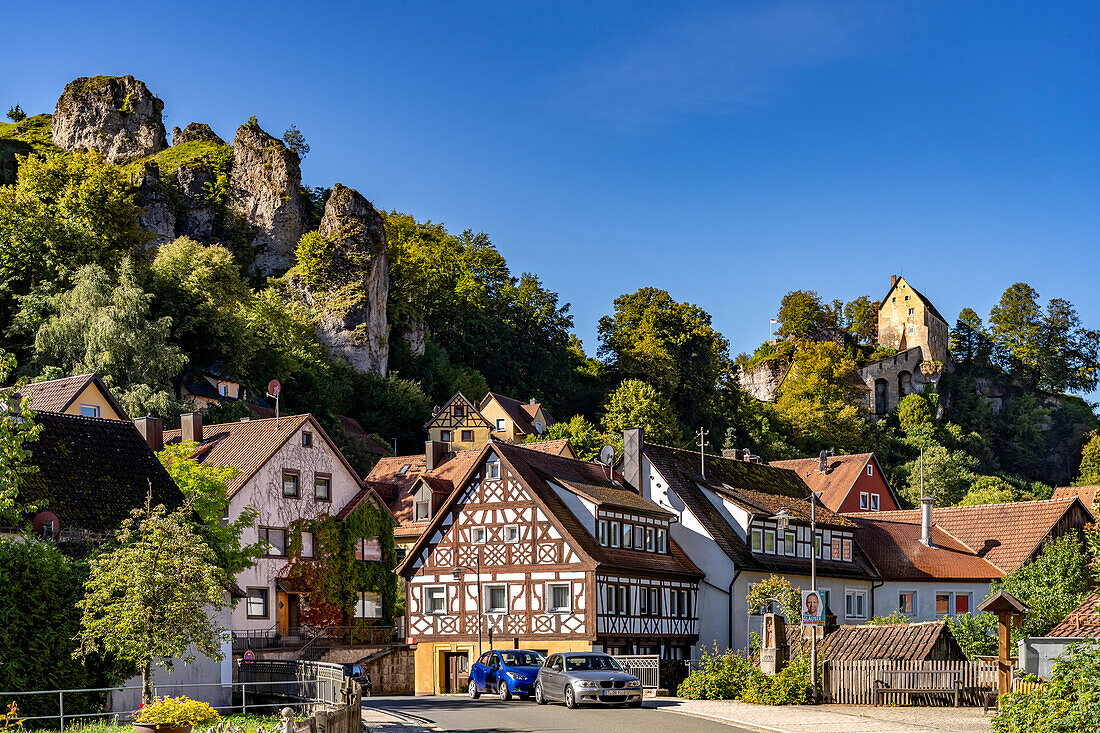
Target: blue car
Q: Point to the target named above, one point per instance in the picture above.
(506, 672)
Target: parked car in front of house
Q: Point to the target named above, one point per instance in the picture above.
(584, 677)
(505, 672)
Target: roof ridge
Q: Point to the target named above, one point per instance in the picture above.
(105, 420)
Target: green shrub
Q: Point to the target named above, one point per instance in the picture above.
(791, 686)
(1069, 703)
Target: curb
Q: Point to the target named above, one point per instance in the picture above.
(727, 721)
(405, 717)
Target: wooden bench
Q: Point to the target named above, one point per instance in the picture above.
(927, 682)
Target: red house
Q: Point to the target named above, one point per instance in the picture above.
(854, 483)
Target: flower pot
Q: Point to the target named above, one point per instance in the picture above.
(146, 728)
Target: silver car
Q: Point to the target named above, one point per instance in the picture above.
(577, 677)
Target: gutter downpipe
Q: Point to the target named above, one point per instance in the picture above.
(871, 610)
(730, 593)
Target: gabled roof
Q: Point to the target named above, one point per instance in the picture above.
(92, 472)
(474, 412)
(895, 550)
(759, 489)
(1087, 494)
(836, 481)
(531, 467)
(521, 413)
(58, 395)
(250, 444)
(355, 430)
(1005, 535)
(555, 447)
(366, 493)
(907, 642)
(1082, 622)
(926, 301)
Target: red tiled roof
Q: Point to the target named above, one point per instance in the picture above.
(554, 447)
(57, 395)
(1005, 535)
(1087, 494)
(836, 481)
(1082, 622)
(522, 413)
(895, 550)
(915, 642)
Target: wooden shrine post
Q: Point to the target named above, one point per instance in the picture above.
(1009, 610)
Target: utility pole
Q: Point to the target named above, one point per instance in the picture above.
(813, 589)
(702, 452)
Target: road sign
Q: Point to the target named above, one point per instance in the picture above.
(250, 656)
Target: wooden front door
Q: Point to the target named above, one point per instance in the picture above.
(282, 612)
(456, 671)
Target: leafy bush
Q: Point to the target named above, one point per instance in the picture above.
(176, 711)
(1069, 703)
(791, 686)
(732, 675)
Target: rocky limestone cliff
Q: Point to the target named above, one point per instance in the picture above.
(352, 309)
(265, 188)
(159, 216)
(195, 131)
(762, 381)
(196, 214)
(116, 115)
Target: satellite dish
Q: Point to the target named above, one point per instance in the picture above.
(274, 388)
(607, 455)
(46, 525)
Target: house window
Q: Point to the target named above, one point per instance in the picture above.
(673, 604)
(615, 528)
(662, 540)
(757, 540)
(870, 470)
(611, 598)
(602, 529)
(874, 502)
(89, 410)
(846, 550)
(423, 511)
(788, 543)
(478, 535)
(497, 599)
(257, 602)
(539, 428)
(223, 389)
(910, 311)
(817, 545)
(855, 603)
(467, 436)
(322, 488)
(943, 604)
(307, 544)
(769, 541)
(654, 602)
(367, 605)
(276, 538)
(493, 469)
(511, 533)
(559, 598)
(624, 600)
(502, 424)
(639, 537)
(643, 602)
(403, 470)
(864, 500)
(435, 600)
(445, 436)
(962, 603)
(290, 485)
(628, 535)
(307, 440)
(907, 603)
(649, 539)
(836, 548)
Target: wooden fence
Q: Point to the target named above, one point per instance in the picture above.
(853, 682)
(344, 717)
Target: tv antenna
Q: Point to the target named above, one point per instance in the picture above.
(274, 389)
(607, 458)
(702, 451)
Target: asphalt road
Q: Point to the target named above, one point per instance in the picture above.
(487, 715)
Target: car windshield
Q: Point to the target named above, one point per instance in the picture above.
(522, 659)
(589, 662)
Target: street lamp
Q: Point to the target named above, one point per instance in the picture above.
(782, 518)
(458, 574)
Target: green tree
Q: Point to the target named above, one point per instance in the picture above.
(296, 141)
(149, 599)
(637, 404)
(915, 417)
(969, 340)
(109, 330)
(17, 429)
(947, 476)
(776, 589)
(206, 491)
(1015, 327)
(586, 438)
(16, 114)
(800, 311)
(1067, 351)
(1051, 585)
(861, 319)
(976, 633)
(1089, 472)
(819, 398)
(670, 345)
(1067, 703)
(989, 490)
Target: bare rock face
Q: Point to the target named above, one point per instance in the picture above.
(158, 215)
(265, 189)
(195, 131)
(116, 115)
(762, 381)
(352, 310)
(196, 212)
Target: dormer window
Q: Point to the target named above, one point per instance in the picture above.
(423, 511)
(403, 470)
(539, 428)
(223, 389)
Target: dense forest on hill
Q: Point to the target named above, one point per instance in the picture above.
(83, 287)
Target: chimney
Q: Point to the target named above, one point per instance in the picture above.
(733, 454)
(893, 280)
(633, 441)
(926, 521)
(434, 450)
(191, 427)
(532, 402)
(152, 429)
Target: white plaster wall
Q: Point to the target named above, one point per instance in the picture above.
(583, 510)
(265, 492)
(886, 596)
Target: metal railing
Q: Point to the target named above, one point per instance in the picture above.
(294, 691)
(646, 667)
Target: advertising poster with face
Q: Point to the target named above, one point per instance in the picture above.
(813, 609)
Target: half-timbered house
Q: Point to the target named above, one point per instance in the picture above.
(549, 553)
(459, 425)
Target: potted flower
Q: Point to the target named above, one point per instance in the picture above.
(174, 715)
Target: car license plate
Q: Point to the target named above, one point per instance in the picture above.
(613, 693)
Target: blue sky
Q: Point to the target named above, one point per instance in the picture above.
(726, 152)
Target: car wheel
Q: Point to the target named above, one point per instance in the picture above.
(474, 693)
(538, 694)
(570, 698)
(503, 691)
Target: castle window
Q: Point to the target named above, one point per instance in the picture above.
(910, 311)
(893, 300)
